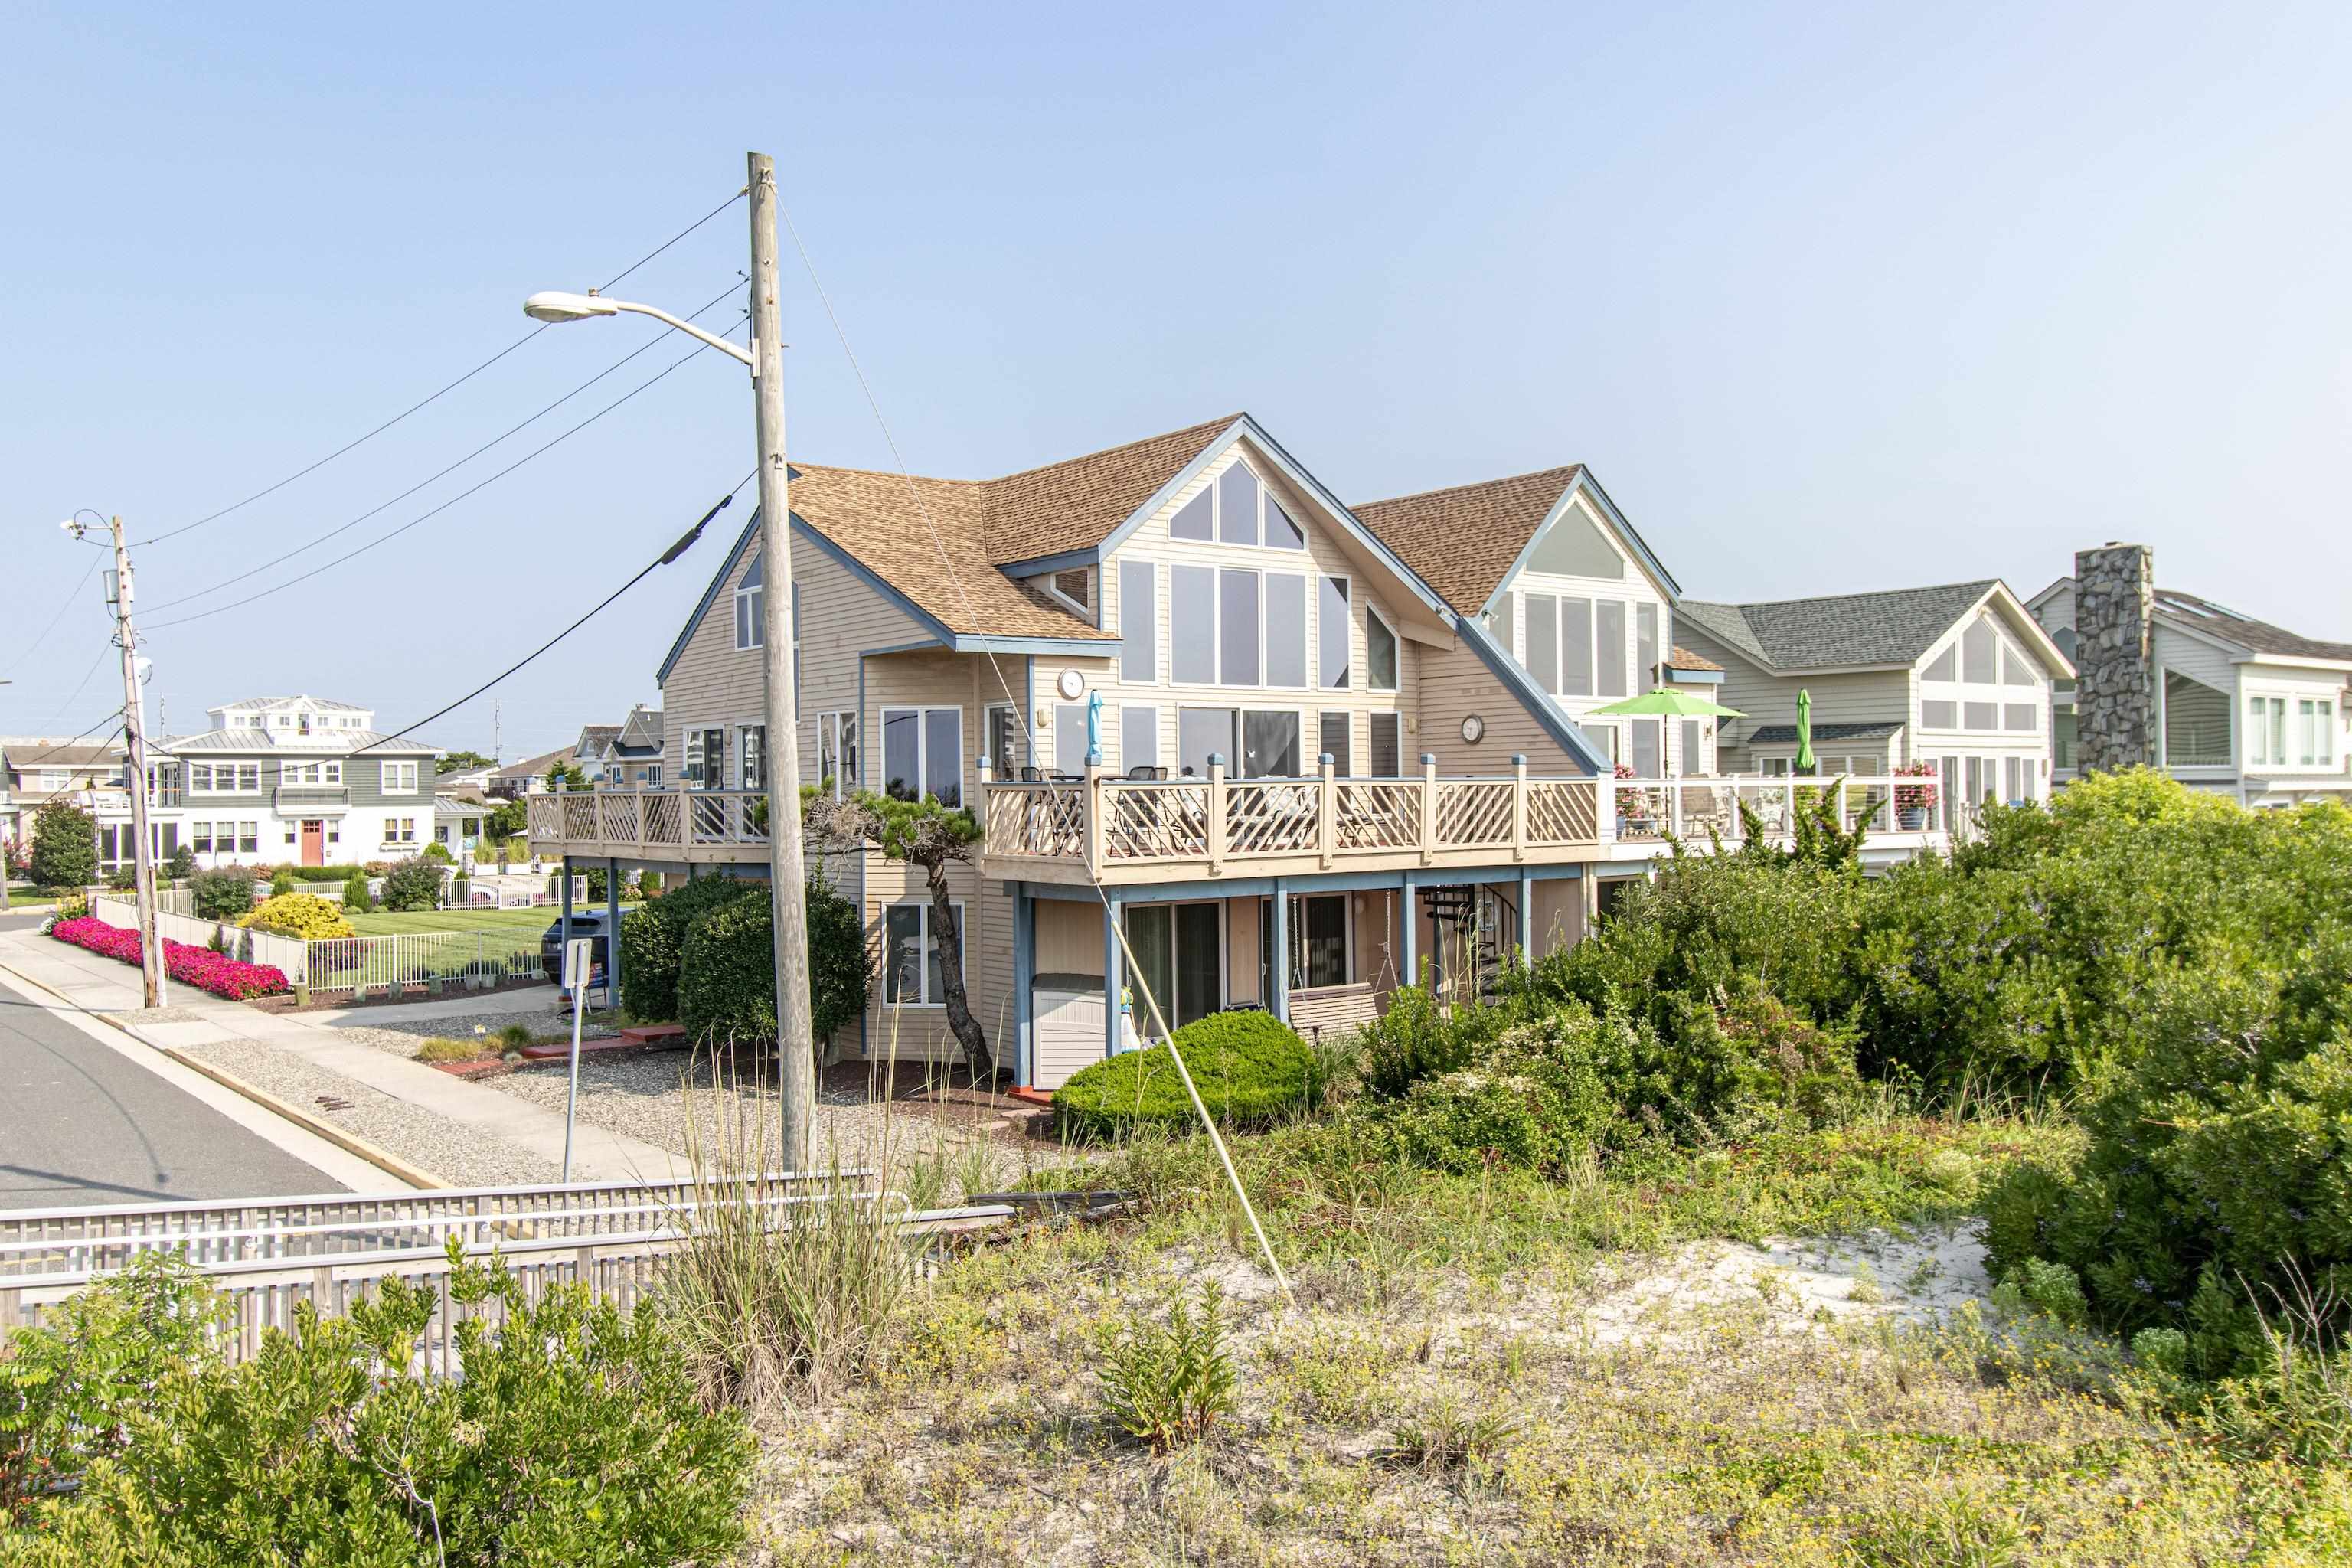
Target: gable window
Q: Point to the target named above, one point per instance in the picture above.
(1645, 638)
(2026, 718)
(1238, 509)
(751, 608)
(1979, 648)
(1237, 494)
(1237, 628)
(1286, 630)
(1076, 585)
(911, 973)
(1334, 651)
(1192, 624)
(2015, 670)
(1947, 665)
(1379, 652)
(1198, 521)
(1543, 641)
(1576, 647)
(1138, 621)
(922, 753)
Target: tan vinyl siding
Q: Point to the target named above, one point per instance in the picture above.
(1455, 683)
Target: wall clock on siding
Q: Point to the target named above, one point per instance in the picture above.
(1071, 685)
(1473, 729)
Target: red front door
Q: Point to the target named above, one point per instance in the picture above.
(314, 842)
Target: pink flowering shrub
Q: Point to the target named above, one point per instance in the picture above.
(198, 966)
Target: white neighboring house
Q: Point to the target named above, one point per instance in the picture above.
(2216, 699)
(1959, 675)
(286, 780)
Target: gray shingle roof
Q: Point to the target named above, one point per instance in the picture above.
(2260, 635)
(83, 755)
(1844, 631)
(1786, 734)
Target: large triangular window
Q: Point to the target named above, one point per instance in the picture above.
(1573, 547)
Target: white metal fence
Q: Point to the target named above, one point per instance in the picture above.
(358, 964)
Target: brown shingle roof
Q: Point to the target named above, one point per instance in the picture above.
(1074, 505)
(2260, 635)
(1683, 658)
(887, 523)
(1463, 539)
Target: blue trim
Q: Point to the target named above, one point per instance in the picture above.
(710, 597)
(1114, 977)
(1305, 886)
(1695, 676)
(1298, 475)
(863, 739)
(1533, 698)
(859, 570)
(941, 634)
(1632, 535)
(1036, 564)
(1025, 975)
(1068, 647)
(901, 647)
(1279, 980)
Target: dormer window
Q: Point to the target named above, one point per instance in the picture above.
(1076, 585)
(752, 609)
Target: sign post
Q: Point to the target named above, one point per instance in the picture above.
(579, 961)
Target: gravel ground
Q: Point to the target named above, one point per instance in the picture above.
(456, 1153)
(401, 1039)
(645, 1096)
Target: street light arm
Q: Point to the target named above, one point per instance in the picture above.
(689, 328)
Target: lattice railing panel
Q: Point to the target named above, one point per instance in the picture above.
(1378, 813)
(1473, 812)
(1156, 820)
(1562, 811)
(1265, 816)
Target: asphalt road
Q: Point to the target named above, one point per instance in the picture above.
(82, 1123)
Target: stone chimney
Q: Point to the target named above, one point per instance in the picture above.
(2114, 698)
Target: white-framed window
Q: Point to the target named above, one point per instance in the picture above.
(313, 773)
(922, 753)
(911, 973)
(1139, 735)
(751, 756)
(1000, 734)
(334, 831)
(690, 772)
(837, 760)
(653, 775)
(1139, 624)
(1385, 758)
(1236, 625)
(2315, 733)
(1238, 509)
(1334, 633)
(55, 778)
(751, 608)
(400, 778)
(400, 830)
(2266, 735)
(1380, 651)
(248, 838)
(289, 833)
(200, 837)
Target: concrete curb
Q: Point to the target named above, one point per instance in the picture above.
(349, 1142)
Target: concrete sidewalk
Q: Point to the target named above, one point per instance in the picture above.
(460, 1132)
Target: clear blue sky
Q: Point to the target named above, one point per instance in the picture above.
(1830, 296)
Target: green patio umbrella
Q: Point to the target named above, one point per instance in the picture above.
(1672, 704)
(1804, 730)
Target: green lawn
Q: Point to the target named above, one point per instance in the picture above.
(530, 921)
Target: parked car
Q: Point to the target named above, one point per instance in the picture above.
(584, 924)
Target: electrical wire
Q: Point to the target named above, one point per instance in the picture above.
(384, 506)
(348, 446)
(72, 595)
(685, 542)
(452, 500)
(16, 762)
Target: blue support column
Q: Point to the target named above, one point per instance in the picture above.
(1278, 981)
(1527, 917)
(1113, 977)
(1025, 978)
(612, 933)
(1412, 963)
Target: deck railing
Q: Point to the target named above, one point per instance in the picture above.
(1697, 810)
(1121, 826)
(650, 820)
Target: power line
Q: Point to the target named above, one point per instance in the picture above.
(685, 542)
(72, 595)
(61, 745)
(348, 446)
(452, 500)
(429, 479)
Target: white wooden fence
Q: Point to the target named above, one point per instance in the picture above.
(542, 1237)
(353, 964)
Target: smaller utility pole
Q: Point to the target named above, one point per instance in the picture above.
(151, 951)
(496, 713)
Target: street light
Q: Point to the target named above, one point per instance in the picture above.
(780, 757)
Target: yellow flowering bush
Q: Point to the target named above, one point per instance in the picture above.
(305, 916)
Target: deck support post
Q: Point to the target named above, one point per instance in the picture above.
(1412, 942)
(612, 933)
(1114, 975)
(1519, 806)
(1278, 978)
(1327, 813)
(1428, 807)
(564, 920)
(1216, 813)
(1024, 980)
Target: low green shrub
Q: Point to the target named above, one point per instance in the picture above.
(304, 916)
(412, 885)
(224, 895)
(181, 865)
(438, 853)
(281, 882)
(355, 892)
(1251, 1068)
(2212, 1196)
(576, 1436)
(1170, 1385)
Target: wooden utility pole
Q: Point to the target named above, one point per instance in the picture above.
(151, 951)
(779, 752)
